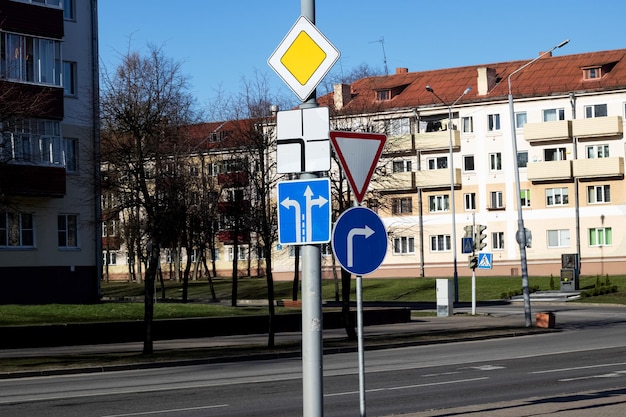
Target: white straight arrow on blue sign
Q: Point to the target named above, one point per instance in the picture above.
(304, 211)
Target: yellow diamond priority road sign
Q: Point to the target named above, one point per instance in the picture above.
(303, 58)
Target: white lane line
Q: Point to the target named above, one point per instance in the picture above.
(575, 368)
(173, 410)
(458, 381)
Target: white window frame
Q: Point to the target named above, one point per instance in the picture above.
(522, 159)
(552, 115)
(596, 110)
(555, 154)
(466, 162)
(399, 127)
(600, 236)
(495, 161)
(469, 201)
(561, 237)
(496, 200)
(403, 245)
(439, 203)
(439, 162)
(521, 119)
(69, 78)
(67, 230)
(403, 165)
(17, 230)
(467, 124)
(557, 197)
(597, 151)
(525, 197)
(402, 205)
(598, 194)
(242, 251)
(497, 240)
(440, 243)
(493, 122)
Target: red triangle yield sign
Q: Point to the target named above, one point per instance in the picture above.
(358, 155)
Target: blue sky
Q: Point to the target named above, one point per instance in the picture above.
(220, 43)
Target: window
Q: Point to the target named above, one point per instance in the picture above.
(402, 205)
(520, 120)
(36, 141)
(440, 243)
(558, 238)
(69, 78)
(109, 258)
(110, 228)
(383, 95)
(592, 73)
(557, 197)
(469, 200)
(597, 151)
(495, 161)
(497, 240)
(468, 163)
(403, 245)
(552, 115)
(496, 200)
(399, 127)
(522, 159)
(242, 253)
(71, 154)
(402, 166)
(525, 198)
(69, 10)
(493, 122)
(438, 203)
(600, 236)
(598, 194)
(16, 230)
(67, 230)
(438, 163)
(31, 59)
(467, 124)
(554, 154)
(598, 110)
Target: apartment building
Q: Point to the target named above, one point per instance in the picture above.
(50, 248)
(568, 122)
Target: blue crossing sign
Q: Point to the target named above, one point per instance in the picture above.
(359, 240)
(485, 260)
(304, 211)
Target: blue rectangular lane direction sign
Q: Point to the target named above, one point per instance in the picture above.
(304, 211)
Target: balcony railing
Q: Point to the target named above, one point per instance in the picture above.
(32, 180)
(399, 145)
(610, 126)
(397, 181)
(437, 141)
(548, 131)
(547, 171)
(598, 168)
(436, 178)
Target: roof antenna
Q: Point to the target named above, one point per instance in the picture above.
(382, 43)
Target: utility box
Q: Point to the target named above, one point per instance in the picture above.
(445, 298)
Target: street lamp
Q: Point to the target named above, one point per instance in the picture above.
(521, 230)
(452, 202)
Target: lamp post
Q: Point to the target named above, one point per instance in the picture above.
(521, 230)
(452, 201)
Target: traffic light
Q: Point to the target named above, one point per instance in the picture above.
(469, 231)
(472, 261)
(480, 237)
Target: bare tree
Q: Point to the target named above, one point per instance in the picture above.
(144, 104)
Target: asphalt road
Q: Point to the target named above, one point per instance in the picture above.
(501, 376)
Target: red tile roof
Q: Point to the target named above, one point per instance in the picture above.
(549, 75)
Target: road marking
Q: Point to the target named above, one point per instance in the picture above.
(548, 371)
(458, 381)
(173, 410)
(580, 378)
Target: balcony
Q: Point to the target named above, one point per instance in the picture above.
(228, 237)
(548, 131)
(398, 181)
(232, 207)
(399, 145)
(436, 178)
(437, 141)
(233, 179)
(548, 171)
(32, 180)
(111, 243)
(598, 168)
(610, 126)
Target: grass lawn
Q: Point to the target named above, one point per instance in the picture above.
(200, 305)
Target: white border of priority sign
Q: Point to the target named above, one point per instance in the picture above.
(359, 240)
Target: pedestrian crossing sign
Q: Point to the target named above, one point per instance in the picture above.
(485, 260)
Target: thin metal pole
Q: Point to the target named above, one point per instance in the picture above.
(521, 230)
(359, 318)
(453, 204)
